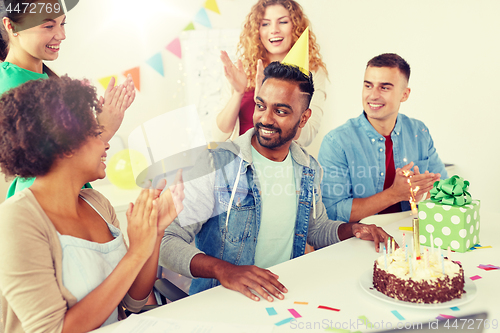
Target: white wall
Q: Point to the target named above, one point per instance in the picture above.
(451, 45)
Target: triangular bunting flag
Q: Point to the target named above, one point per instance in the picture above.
(212, 5)
(156, 62)
(136, 76)
(190, 26)
(175, 47)
(105, 81)
(202, 18)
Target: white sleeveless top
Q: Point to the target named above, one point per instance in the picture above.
(86, 264)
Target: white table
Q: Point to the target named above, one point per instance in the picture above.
(330, 277)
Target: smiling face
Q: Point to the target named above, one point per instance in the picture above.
(43, 41)
(279, 112)
(276, 32)
(34, 38)
(90, 157)
(384, 89)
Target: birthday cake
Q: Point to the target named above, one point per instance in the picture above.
(430, 279)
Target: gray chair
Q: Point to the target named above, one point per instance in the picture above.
(165, 291)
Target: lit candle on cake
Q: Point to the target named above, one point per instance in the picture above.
(385, 257)
(393, 245)
(449, 253)
(442, 263)
(416, 238)
(406, 252)
(411, 265)
(404, 240)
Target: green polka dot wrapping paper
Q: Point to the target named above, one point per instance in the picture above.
(454, 226)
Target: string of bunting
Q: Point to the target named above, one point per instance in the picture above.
(174, 47)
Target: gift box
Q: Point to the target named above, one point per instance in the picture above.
(451, 216)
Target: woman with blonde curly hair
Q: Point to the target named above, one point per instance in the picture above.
(270, 30)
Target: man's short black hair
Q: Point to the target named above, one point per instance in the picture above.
(285, 72)
(391, 60)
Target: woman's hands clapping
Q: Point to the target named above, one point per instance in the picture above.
(169, 202)
(116, 100)
(235, 74)
(143, 223)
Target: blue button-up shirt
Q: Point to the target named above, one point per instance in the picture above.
(353, 160)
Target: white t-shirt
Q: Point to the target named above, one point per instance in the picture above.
(279, 210)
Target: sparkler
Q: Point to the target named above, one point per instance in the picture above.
(413, 192)
(416, 238)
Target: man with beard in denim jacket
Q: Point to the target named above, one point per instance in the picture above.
(255, 202)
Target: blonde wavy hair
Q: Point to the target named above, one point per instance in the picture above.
(251, 49)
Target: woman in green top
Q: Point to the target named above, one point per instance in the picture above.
(28, 39)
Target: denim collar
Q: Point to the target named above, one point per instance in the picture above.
(372, 132)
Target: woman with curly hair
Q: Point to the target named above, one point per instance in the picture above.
(28, 37)
(269, 32)
(64, 265)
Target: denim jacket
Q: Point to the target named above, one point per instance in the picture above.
(222, 210)
(353, 160)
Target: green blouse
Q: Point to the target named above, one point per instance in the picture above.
(12, 76)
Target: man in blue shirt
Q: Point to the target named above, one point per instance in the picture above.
(256, 201)
(366, 159)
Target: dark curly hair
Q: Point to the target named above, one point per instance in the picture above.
(42, 120)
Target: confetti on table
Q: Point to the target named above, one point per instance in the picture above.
(455, 308)
(406, 228)
(440, 318)
(304, 303)
(294, 313)
(284, 321)
(398, 315)
(271, 311)
(488, 267)
(475, 277)
(447, 316)
(484, 247)
(327, 308)
(475, 246)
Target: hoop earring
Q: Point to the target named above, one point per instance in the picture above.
(15, 34)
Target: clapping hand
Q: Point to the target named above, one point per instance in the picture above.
(116, 100)
(142, 224)
(259, 76)
(235, 74)
(169, 202)
(424, 181)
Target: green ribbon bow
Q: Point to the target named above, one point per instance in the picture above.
(451, 191)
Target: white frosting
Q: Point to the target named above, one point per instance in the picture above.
(400, 267)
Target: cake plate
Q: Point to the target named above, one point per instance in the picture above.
(366, 283)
